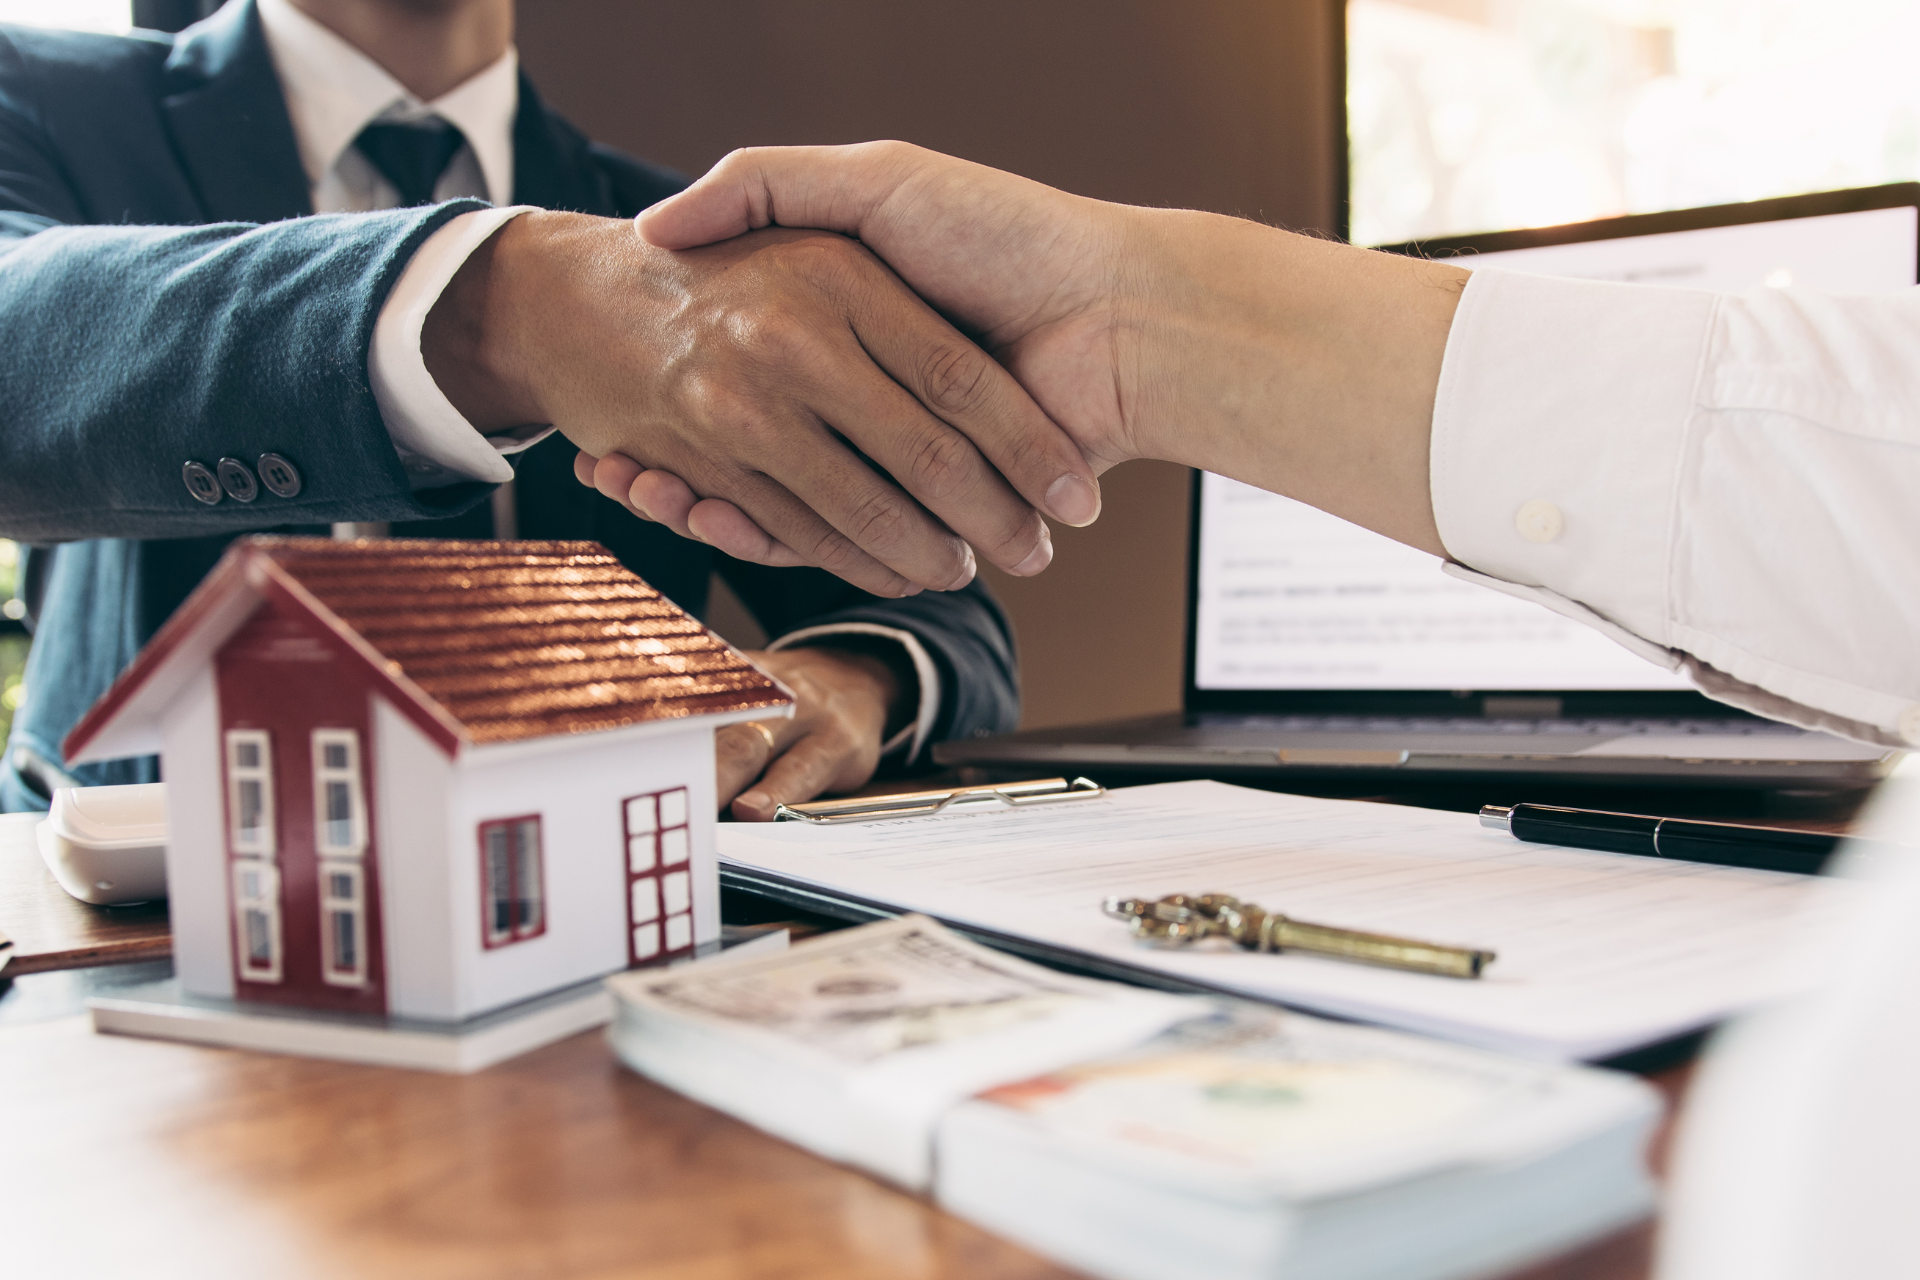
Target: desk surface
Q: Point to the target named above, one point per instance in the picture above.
(125, 1156)
(132, 1157)
(53, 931)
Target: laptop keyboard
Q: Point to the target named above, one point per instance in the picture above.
(1609, 728)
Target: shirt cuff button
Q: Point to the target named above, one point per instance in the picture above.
(281, 477)
(1909, 725)
(1539, 521)
(201, 484)
(238, 480)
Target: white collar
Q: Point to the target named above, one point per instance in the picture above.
(333, 91)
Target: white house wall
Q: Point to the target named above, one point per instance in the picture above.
(196, 838)
(577, 790)
(419, 908)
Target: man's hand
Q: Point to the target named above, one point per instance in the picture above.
(1296, 364)
(759, 372)
(1040, 275)
(842, 703)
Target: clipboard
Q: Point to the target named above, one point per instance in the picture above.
(919, 804)
(810, 899)
(853, 909)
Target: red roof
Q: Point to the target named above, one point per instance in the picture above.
(493, 641)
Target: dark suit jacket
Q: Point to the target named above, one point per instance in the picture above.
(166, 295)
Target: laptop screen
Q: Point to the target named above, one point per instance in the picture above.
(1287, 598)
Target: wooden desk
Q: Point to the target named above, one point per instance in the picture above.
(144, 1158)
(53, 931)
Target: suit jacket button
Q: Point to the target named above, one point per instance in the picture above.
(238, 481)
(281, 477)
(201, 484)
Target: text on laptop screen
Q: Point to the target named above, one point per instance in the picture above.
(1292, 598)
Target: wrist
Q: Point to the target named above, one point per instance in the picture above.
(475, 340)
(1299, 365)
(883, 671)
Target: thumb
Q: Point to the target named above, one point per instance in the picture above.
(825, 188)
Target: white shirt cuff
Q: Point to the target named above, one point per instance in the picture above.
(1557, 430)
(912, 737)
(437, 445)
(1656, 462)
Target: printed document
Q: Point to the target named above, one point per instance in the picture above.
(1598, 953)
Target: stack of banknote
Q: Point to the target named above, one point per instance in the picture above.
(1134, 1134)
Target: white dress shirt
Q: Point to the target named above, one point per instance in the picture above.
(1729, 485)
(333, 91)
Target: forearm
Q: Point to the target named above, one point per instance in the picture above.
(1299, 365)
(133, 350)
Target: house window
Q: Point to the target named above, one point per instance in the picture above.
(343, 924)
(339, 799)
(512, 880)
(250, 792)
(659, 882)
(256, 919)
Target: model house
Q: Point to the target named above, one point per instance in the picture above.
(429, 779)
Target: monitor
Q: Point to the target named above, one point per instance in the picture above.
(1287, 600)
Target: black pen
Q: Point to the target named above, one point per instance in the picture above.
(1726, 844)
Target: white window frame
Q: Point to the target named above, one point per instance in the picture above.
(266, 901)
(264, 843)
(659, 829)
(324, 777)
(516, 867)
(354, 904)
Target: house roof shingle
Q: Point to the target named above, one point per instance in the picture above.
(524, 639)
(482, 642)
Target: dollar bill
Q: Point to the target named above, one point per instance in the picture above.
(875, 991)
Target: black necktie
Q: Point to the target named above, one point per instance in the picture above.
(411, 156)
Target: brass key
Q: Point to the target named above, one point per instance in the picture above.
(1181, 918)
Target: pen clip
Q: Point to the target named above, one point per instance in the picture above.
(920, 804)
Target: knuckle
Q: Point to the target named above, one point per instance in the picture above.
(1021, 452)
(941, 464)
(885, 151)
(826, 263)
(879, 520)
(735, 743)
(705, 399)
(780, 337)
(834, 552)
(957, 378)
(838, 555)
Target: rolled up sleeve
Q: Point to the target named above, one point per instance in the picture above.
(1725, 483)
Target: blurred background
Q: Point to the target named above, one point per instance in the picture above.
(1465, 115)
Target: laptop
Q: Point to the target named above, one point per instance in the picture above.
(1318, 649)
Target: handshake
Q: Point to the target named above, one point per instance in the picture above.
(880, 360)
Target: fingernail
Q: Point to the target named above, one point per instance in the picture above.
(1072, 501)
(1037, 559)
(758, 802)
(966, 574)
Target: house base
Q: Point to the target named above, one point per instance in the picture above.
(163, 1011)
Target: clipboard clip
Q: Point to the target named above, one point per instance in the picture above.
(919, 804)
